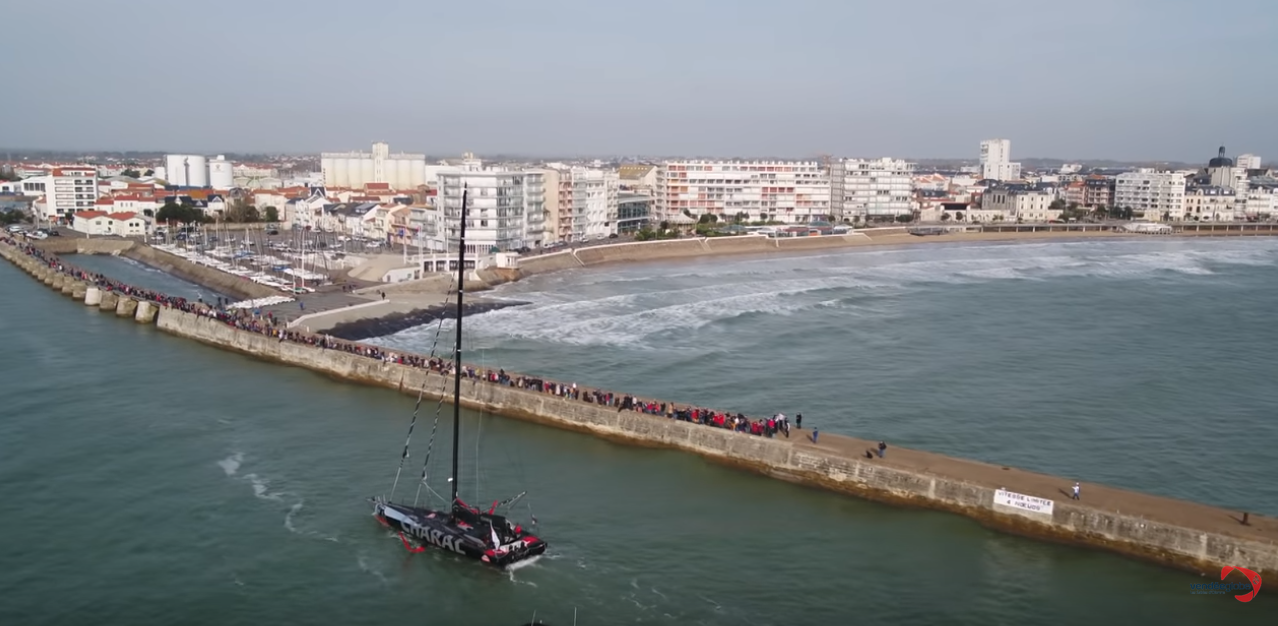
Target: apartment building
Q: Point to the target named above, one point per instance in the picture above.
(1021, 202)
(1155, 195)
(1090, 192)
(791, 192)
(505, 210)
(996, 160)
(871, 189)
(1204, 204)
(66, 190)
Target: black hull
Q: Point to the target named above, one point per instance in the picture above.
(419, 527)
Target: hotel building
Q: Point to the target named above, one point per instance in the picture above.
(791, 192)
(869, 189)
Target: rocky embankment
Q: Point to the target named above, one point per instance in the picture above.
(395, 322)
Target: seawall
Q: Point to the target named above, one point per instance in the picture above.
(1175, 533)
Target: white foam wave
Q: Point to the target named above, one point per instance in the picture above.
(626, 309)
(261, 488)
(364, 566)
(231, 464)
(288, 517)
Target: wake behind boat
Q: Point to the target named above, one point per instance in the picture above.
(484, 536)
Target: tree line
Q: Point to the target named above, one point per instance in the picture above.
(239, 212)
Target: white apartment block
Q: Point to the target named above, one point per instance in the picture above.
(505, 209)
(995, 160)
(865, 189)
(1030, 205)
(592, 196)
(1207, 204)
(65, 189)
(1156, 195)
(1248, 161)
(791, 192)
(1260, 201)
(357, 169)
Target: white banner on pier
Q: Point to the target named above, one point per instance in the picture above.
(1022, 502)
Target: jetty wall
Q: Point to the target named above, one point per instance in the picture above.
(1076, 523)
(1066, 521)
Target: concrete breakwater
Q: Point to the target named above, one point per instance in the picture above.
(392, 323)
(1175, 533)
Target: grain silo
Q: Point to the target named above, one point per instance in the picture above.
(221, 173)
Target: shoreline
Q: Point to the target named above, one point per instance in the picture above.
(1180, 534)
(743, 246)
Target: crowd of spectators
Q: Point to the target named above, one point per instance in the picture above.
(255, 321)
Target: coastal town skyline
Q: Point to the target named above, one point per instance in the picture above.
(714, 79)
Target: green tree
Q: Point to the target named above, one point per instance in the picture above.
(905, 219)
(12, 217)
(242, 212)
(645, 234)
(271, 214)
(7, 174)
(945, 217)
(174, 212)
(131, 173)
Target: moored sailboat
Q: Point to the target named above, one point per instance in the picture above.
(461, 528)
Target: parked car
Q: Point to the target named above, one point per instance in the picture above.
(16, 228)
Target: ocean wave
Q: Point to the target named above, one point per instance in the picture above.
(627, 308)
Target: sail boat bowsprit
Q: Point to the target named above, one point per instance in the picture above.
(463, 529)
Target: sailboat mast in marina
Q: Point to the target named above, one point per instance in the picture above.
(487, 537)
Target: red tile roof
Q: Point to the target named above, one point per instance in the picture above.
(103, 202)
(123, 216)
(75, 171)
(88, 215)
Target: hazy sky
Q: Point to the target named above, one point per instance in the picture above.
(1126, 79)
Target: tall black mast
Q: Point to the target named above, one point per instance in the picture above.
(457, 351)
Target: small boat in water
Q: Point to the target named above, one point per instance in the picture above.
(460, 528)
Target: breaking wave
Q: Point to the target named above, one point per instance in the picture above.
(653, 304)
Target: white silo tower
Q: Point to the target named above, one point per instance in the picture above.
(175, 169)
(197, 171)
(221, 175)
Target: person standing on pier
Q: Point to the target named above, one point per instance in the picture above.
(798, 421)
(815, 432)
(1076, 492)
(882, 449)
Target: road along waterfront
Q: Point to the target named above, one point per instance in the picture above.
(1174, 533)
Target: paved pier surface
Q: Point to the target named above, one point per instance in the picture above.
(1130, 503)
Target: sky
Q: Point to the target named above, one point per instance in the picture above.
(1085, 79)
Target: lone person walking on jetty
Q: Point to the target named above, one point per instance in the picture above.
(814, 435)
(882, 449)
(1076, 492)
(798, 421)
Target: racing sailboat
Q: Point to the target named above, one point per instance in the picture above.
(485, 536)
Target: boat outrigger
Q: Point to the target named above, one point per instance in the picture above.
(466, 530)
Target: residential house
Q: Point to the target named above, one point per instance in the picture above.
(97, 222)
